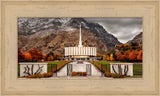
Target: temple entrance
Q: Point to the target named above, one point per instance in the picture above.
(79, 68)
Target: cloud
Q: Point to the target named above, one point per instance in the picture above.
(124, 29)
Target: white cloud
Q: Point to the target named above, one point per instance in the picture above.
(124, 29)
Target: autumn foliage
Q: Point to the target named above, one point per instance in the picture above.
(36, 55)
(21, 55)
(139, 57)
(125, 52)
(133, 55)
(27, 56)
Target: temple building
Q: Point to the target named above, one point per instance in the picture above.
(80, 52)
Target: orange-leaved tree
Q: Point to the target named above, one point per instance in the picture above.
(111, 57)
(120, 57)
(139, 57)
(36, 55)
(126, 54)
(50, 58)
(20, 55)
(28, 56)
(133, 55)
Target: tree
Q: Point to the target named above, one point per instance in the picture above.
(133, 55)
(28, 56)
(111, 57)
(50, 58)
(120, 57)
(36, 55)
(135, 45)
(108, 58)
(20, 55)
(50, 53)
(55, 56)
(126, 54)
(44, 57)
(104, 57)
(139, 57)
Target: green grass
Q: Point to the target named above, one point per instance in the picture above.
(105, 65)
(55, 62)
(52, 65)
(137, 68)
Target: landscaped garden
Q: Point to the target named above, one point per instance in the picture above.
(104, 66)
(52, 67)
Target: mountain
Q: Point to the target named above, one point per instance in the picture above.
(137, 38)
(54, 34)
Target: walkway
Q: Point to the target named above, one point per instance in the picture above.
(79, 68)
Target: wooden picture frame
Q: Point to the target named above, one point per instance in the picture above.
(148, 85)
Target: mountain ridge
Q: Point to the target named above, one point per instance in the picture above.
(53, 34)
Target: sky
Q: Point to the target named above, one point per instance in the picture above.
(124, 29)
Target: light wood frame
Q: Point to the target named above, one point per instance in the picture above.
(148, 85)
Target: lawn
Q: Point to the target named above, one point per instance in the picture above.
(53, 64)
(137, 68)
(106, 64)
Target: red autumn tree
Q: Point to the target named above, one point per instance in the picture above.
(28, 56)
(44, 56)
(20, 55)
(126, 54)
(36, 55)
(139, 57)
(133, 55)
(120, 57)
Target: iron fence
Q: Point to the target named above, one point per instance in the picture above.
(52, 68)
(137, 69)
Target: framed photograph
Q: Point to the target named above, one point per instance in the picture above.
(80, 48)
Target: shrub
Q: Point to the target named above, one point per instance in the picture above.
(32, 76)
(40, 75)
(73, 73)
(45, 74)
(79, 74)
(122, 77)
(84, 73)
(107, 74)
(50, 74)
(116, 75)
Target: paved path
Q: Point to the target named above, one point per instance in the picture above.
(79, 68)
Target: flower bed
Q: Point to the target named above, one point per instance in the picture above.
(108, 74)
(44, 75)
(79, 74)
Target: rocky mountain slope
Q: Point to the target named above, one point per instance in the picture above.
(53, 34)
(137, 38)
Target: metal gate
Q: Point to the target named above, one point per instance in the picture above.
(88, 69)
(69, 69)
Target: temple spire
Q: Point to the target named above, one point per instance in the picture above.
(80, 38)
